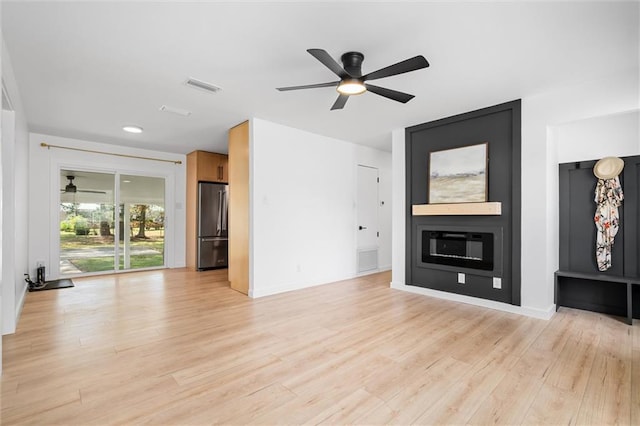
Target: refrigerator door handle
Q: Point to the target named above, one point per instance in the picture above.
(224, 211)
(219, 219)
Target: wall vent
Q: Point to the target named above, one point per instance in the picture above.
(367, 260)
(182, 112)
(202, 85)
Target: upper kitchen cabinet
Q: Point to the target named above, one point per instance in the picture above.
(211, 167)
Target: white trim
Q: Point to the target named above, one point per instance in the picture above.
(282, 289)
(8, 275)
(373, 271)
(293, 287)
(544, 314)
(20, 303)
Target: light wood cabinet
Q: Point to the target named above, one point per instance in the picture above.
(239, 207)
(211, 167)
(202, 166)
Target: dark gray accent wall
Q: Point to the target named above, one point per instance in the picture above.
(500, 126)
(631, 188)
(577, 228)
(578, 239)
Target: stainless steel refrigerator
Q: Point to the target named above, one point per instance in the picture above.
(212, 225)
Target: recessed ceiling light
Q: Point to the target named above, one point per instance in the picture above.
(132, 129)
(126, 181)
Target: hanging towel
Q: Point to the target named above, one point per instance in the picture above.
(608, 198)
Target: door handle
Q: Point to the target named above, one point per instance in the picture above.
(219, 218)
(360, 228)
(225, 210)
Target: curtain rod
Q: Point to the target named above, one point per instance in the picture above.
(46, 145)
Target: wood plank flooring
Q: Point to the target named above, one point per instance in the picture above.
(180, 347)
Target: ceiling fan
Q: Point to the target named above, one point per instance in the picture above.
(71, 188)
(352, 82)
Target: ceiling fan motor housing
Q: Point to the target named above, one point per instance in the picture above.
(70, 186)
(352, 63)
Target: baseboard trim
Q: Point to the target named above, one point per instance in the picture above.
(10, 328)
(283, 289)
(544, 314)
(20, 304)
(373, 271)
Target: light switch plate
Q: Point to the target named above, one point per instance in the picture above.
(461, 278)
(497, 282)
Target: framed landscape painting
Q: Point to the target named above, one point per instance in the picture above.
(458, 175)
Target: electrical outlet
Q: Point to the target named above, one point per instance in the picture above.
(497, 282)
(461, 278)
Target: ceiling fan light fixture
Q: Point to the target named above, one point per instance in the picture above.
(351, 87)
(132, 129)
(70, 188)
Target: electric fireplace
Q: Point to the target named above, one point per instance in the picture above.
(454, 247)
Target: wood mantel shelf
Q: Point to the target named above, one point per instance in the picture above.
(460, 209)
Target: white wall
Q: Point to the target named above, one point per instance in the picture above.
(570, 124)
(304, 207)
(398, 217)
(1, 193)
(596, 137)
(45, 164)
(15, 199)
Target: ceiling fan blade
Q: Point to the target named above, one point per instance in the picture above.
(308, 86)
(339, 103)
(88, 191)
(388, 93)
(412, 64)
(328, 62)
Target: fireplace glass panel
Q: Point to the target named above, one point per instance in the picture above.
(464, 249)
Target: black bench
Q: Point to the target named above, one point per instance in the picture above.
(629, 281)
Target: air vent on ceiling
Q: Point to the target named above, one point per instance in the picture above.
(202, 85)
(174, 110)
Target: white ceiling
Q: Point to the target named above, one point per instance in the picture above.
(85, 69)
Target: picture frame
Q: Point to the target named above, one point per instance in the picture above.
(459, 175)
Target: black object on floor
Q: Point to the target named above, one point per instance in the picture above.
(53, 285)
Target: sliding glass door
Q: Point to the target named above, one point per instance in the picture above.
(142, 220)
(86, 222)
(94, 234)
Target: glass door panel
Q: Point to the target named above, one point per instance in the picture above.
(86, 222)
(141, 218)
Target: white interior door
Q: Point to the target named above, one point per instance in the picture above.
(367, 216)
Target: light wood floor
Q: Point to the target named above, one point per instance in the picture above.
(179, 347)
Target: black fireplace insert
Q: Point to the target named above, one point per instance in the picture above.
(473, 250)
